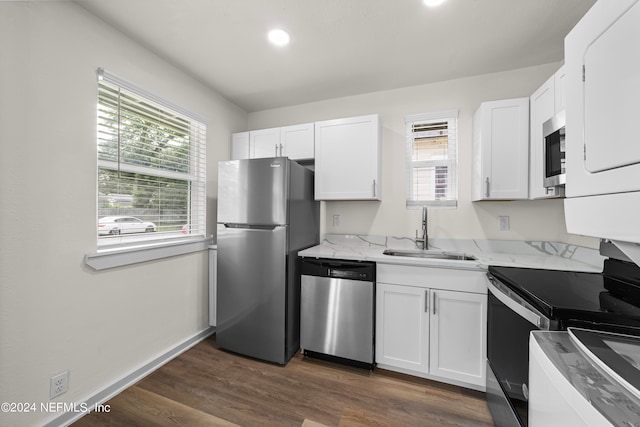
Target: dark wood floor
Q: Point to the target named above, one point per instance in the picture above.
(206, 386)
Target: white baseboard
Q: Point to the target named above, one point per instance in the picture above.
(66, 418)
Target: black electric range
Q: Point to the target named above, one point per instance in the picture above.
(608, 300)
(521, 300)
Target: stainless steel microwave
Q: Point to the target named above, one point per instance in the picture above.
(553, 131)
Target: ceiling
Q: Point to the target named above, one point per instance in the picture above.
(341, 47)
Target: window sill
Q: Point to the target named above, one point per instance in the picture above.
(104, 259)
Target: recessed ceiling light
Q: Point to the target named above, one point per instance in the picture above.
(433, 3)
(279, 37)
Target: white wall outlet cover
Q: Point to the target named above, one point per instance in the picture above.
(59, 384)
(504, 223)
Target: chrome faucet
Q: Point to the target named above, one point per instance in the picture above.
(424, 240)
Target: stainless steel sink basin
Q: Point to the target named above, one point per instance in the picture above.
(428, 254)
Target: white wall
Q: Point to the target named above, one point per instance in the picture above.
(56, 313)
(530, 220)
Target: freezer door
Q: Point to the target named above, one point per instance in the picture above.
(253, 191)
(252, 291)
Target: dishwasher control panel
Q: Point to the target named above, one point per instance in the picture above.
(348, 274)
(339, 269)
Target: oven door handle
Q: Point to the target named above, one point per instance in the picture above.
(515, 303)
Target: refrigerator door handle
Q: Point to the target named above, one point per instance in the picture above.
(251, 226)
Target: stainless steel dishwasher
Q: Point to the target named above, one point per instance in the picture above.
(337, 309)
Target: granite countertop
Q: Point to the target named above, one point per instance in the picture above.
(603, 392)
(531, 254)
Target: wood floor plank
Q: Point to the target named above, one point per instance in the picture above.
(140, 407)
(209, 386)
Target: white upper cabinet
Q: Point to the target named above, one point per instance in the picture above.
(560, 92)
(545, 103)
(542, 109)
(501, 150)
(240, 146)
(347, 159)
(264, 143)
(297, 142)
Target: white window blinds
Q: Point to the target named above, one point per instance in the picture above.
(432, 159)
(151, 166)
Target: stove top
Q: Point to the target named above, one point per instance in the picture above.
(610, 298)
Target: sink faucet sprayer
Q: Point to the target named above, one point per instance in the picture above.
(424, 240)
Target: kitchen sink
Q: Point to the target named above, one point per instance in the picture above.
(428, 254)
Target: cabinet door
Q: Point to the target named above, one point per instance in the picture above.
(297, 141)
(542, 108)
(501, 143)
(240, 146)
(402, 327)
(559, 91)
(264, 143)
(458, 330)
(347, 159)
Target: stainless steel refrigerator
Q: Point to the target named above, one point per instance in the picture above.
(266, 214)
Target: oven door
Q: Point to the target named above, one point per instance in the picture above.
(510, 319)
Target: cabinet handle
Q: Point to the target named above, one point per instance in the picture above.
(426, 301)
(281, 151)
(276, 147)
(374, 188)
(487, 182)
(433, 303)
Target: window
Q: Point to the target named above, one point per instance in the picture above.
(432, 159)
(151, 166)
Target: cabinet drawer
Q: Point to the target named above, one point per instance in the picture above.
(435, 278)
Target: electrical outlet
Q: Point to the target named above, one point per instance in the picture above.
(504, 223)
(59, 384)
(336, 220)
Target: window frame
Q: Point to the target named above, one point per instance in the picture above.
(135, 248)
(451, 117)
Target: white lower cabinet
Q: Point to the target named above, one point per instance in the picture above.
(402, 327)
(458, 336)
(432, 332)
